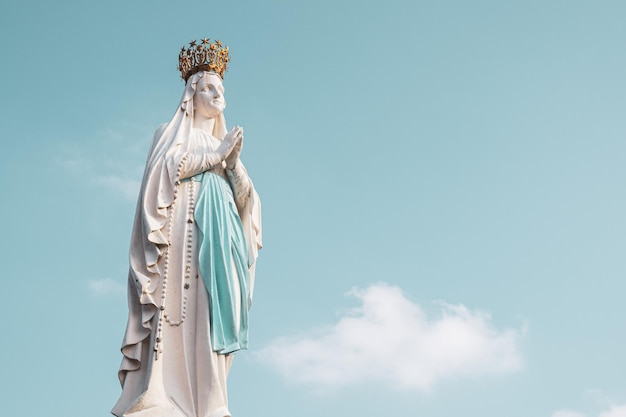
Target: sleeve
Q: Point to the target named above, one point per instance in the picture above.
(240, 183)
(188, 164)
(192, 164)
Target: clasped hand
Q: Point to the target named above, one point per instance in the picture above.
(231, 146)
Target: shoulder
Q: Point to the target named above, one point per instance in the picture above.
(157, 135)
(160, 130)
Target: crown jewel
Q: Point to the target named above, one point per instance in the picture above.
(203, 56)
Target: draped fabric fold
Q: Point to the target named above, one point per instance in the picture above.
(223, 262)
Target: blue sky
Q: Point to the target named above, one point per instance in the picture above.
(442, 187)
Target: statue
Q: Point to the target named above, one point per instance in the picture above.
(195, 240)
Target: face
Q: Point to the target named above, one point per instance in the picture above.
(209, 96)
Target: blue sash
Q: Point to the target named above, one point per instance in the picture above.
(222, 244)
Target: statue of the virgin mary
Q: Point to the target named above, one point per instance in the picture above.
(195, 240)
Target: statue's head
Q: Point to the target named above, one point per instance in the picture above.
(208, 98)
(202, 66)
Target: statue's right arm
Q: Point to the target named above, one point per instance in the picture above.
(195, 164)
(192, 164)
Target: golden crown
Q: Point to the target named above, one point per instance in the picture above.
(203, 56)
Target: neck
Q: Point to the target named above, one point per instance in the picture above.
(205, 124)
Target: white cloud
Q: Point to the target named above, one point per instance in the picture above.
(567, 413)
(107, 286)
(598, 396)
(389, 338)
(126, 187)
(615, 411)
(76, 164)
(112, 159)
